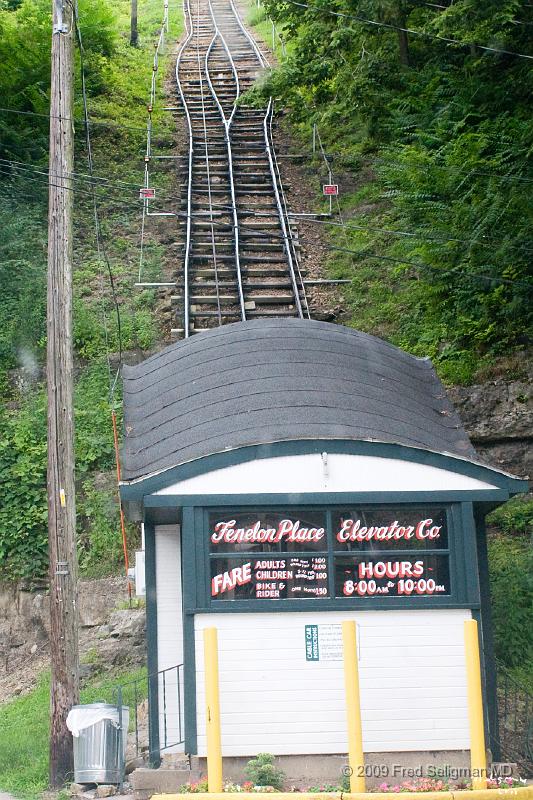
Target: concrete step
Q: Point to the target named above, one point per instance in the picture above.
(146, 782)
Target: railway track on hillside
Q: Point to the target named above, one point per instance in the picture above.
(240, 259)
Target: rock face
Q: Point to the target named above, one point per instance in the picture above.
(498, 416)
(109, 637)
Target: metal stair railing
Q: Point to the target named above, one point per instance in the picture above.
(515, 722)
(163, 691)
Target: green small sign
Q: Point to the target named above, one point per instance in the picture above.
(311, 643)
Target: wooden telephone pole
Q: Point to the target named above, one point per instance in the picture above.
(64, 692)
(134, 35)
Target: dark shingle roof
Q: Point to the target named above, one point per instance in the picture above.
(277, 380)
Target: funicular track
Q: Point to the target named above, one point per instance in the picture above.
(240, 260)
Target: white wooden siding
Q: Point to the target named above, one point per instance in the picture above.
(169, 630)
(342, 473)
(412, 674)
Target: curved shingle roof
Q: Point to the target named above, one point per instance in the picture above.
(277, 380)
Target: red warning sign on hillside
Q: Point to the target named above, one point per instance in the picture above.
(330, 188)
(146, 194)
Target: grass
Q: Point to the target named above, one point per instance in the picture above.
(257, 18)
(24, 725)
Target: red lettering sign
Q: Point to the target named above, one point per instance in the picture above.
(330, 189)
(394, 578)
(146, 194)
(226, 581)
(287, 530)
(353, 531)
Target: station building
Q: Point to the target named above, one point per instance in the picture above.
(290, 475)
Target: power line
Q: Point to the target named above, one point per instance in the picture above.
(391, 26)
(118, 125)
(348, 226)
(360, 253)
(448, 168)
(100, 241)
(104, 183)
(369, 159)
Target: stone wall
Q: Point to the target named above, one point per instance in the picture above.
(111, 634)
(498, 416)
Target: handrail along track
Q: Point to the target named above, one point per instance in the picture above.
(189, 27)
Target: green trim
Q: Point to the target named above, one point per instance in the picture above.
(489, 660)
(145, 486)
(333, 604)
(465, 551)
(325, 498)
(151, 646)
(189, 653)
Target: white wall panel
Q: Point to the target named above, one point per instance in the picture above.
(412, 674)
(169, 631)
(343, 473)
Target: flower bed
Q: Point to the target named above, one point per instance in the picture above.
(422, 785)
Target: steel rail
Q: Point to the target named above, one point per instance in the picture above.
(276, 179)
(189, 26)
(148, 153)
(207, 166)
(227, 122)
(295, 256)
(281, 215)
(285, 215)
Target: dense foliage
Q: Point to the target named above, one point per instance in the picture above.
(23, 511)
(432, 142)
(25, 36)
(118, 79)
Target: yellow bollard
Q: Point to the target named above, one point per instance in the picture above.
(353, 708)
(212, 711)
(478, 756)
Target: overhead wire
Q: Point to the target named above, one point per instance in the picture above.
(118, 125)
(414, 32)
(404, 164)
(101, 246)
(335, 248)
(127, 187)
(366, 253)
(94, 122)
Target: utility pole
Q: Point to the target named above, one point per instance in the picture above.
(64, 691)
(134, 36)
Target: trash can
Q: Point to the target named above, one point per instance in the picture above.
(96, 737)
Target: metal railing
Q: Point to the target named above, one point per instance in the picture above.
(156, 713)
(190, 30)
(515, 722)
